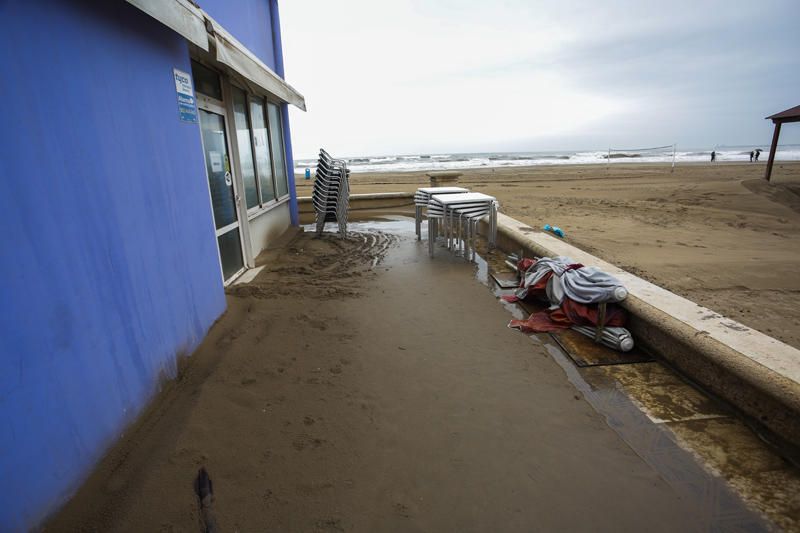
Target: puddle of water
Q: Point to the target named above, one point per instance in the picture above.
(718, 506)
(395, 224)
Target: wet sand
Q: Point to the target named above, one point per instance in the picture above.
(716, 234)
(358, 386)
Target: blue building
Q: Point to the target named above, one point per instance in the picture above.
(145, 162)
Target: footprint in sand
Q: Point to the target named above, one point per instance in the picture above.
(303, 441)
(330, 525)
(402, 510)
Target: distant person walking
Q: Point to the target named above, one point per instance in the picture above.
(751, 155)
(758, 153)
(713, 156)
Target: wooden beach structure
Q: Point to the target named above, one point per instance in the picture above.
(789, 115)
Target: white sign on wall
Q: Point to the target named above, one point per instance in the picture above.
(187, 107)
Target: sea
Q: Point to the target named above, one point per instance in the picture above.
(454, 161)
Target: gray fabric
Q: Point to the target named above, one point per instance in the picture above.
(587, 285)
(556, 264)
(555, 291)
(540, 269)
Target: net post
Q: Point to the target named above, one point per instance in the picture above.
(673, 158)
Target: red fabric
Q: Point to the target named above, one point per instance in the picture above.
(540, 322)
(524, 264)
(589, 314)
(570, 313)
(535, 290)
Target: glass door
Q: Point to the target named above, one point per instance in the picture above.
(223, 194)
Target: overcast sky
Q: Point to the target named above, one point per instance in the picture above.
(420, 76)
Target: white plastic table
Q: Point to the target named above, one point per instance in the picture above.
(423, 196)
(467, 207)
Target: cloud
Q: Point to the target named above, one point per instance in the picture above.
(420, 76)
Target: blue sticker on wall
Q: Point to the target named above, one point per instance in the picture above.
(187, 105)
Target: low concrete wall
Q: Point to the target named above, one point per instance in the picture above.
(365, 205)
(754, 372)
(269, 226)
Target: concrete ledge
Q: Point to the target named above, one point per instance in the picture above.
(444, 178)
(362, 205)
(756, 373)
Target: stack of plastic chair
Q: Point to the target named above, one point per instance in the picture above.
(423, 197)
(331, 195)
(460, 214)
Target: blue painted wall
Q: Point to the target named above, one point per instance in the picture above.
(287, 134)
(109, 264)
(250, 21)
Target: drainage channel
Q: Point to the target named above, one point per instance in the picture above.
(698, 445)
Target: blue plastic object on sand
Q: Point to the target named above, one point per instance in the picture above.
(554, 230)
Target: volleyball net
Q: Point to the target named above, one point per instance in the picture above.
(653, 154)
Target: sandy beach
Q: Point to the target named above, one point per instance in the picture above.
(716, 234)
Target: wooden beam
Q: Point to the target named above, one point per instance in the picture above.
(773, 149)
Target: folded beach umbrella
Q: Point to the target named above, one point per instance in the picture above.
(614, 337)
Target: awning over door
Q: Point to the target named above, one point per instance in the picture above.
(181, 16)
(185, 18)
(235, 55)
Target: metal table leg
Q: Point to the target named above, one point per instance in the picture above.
(431, 234)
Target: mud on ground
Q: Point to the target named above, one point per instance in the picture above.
(326, 267)
(358, 385)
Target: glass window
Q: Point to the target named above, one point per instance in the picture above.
(278, 155)
(206, 81)
(260, 139)
(245, 148)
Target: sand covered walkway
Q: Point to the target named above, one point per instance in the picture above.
(716, 234)
(358, 386)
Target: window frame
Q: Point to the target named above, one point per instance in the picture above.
(212, 105)
(220, 79)
(262, 206)
(262, 100)
(259, 206)
(279, 107)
